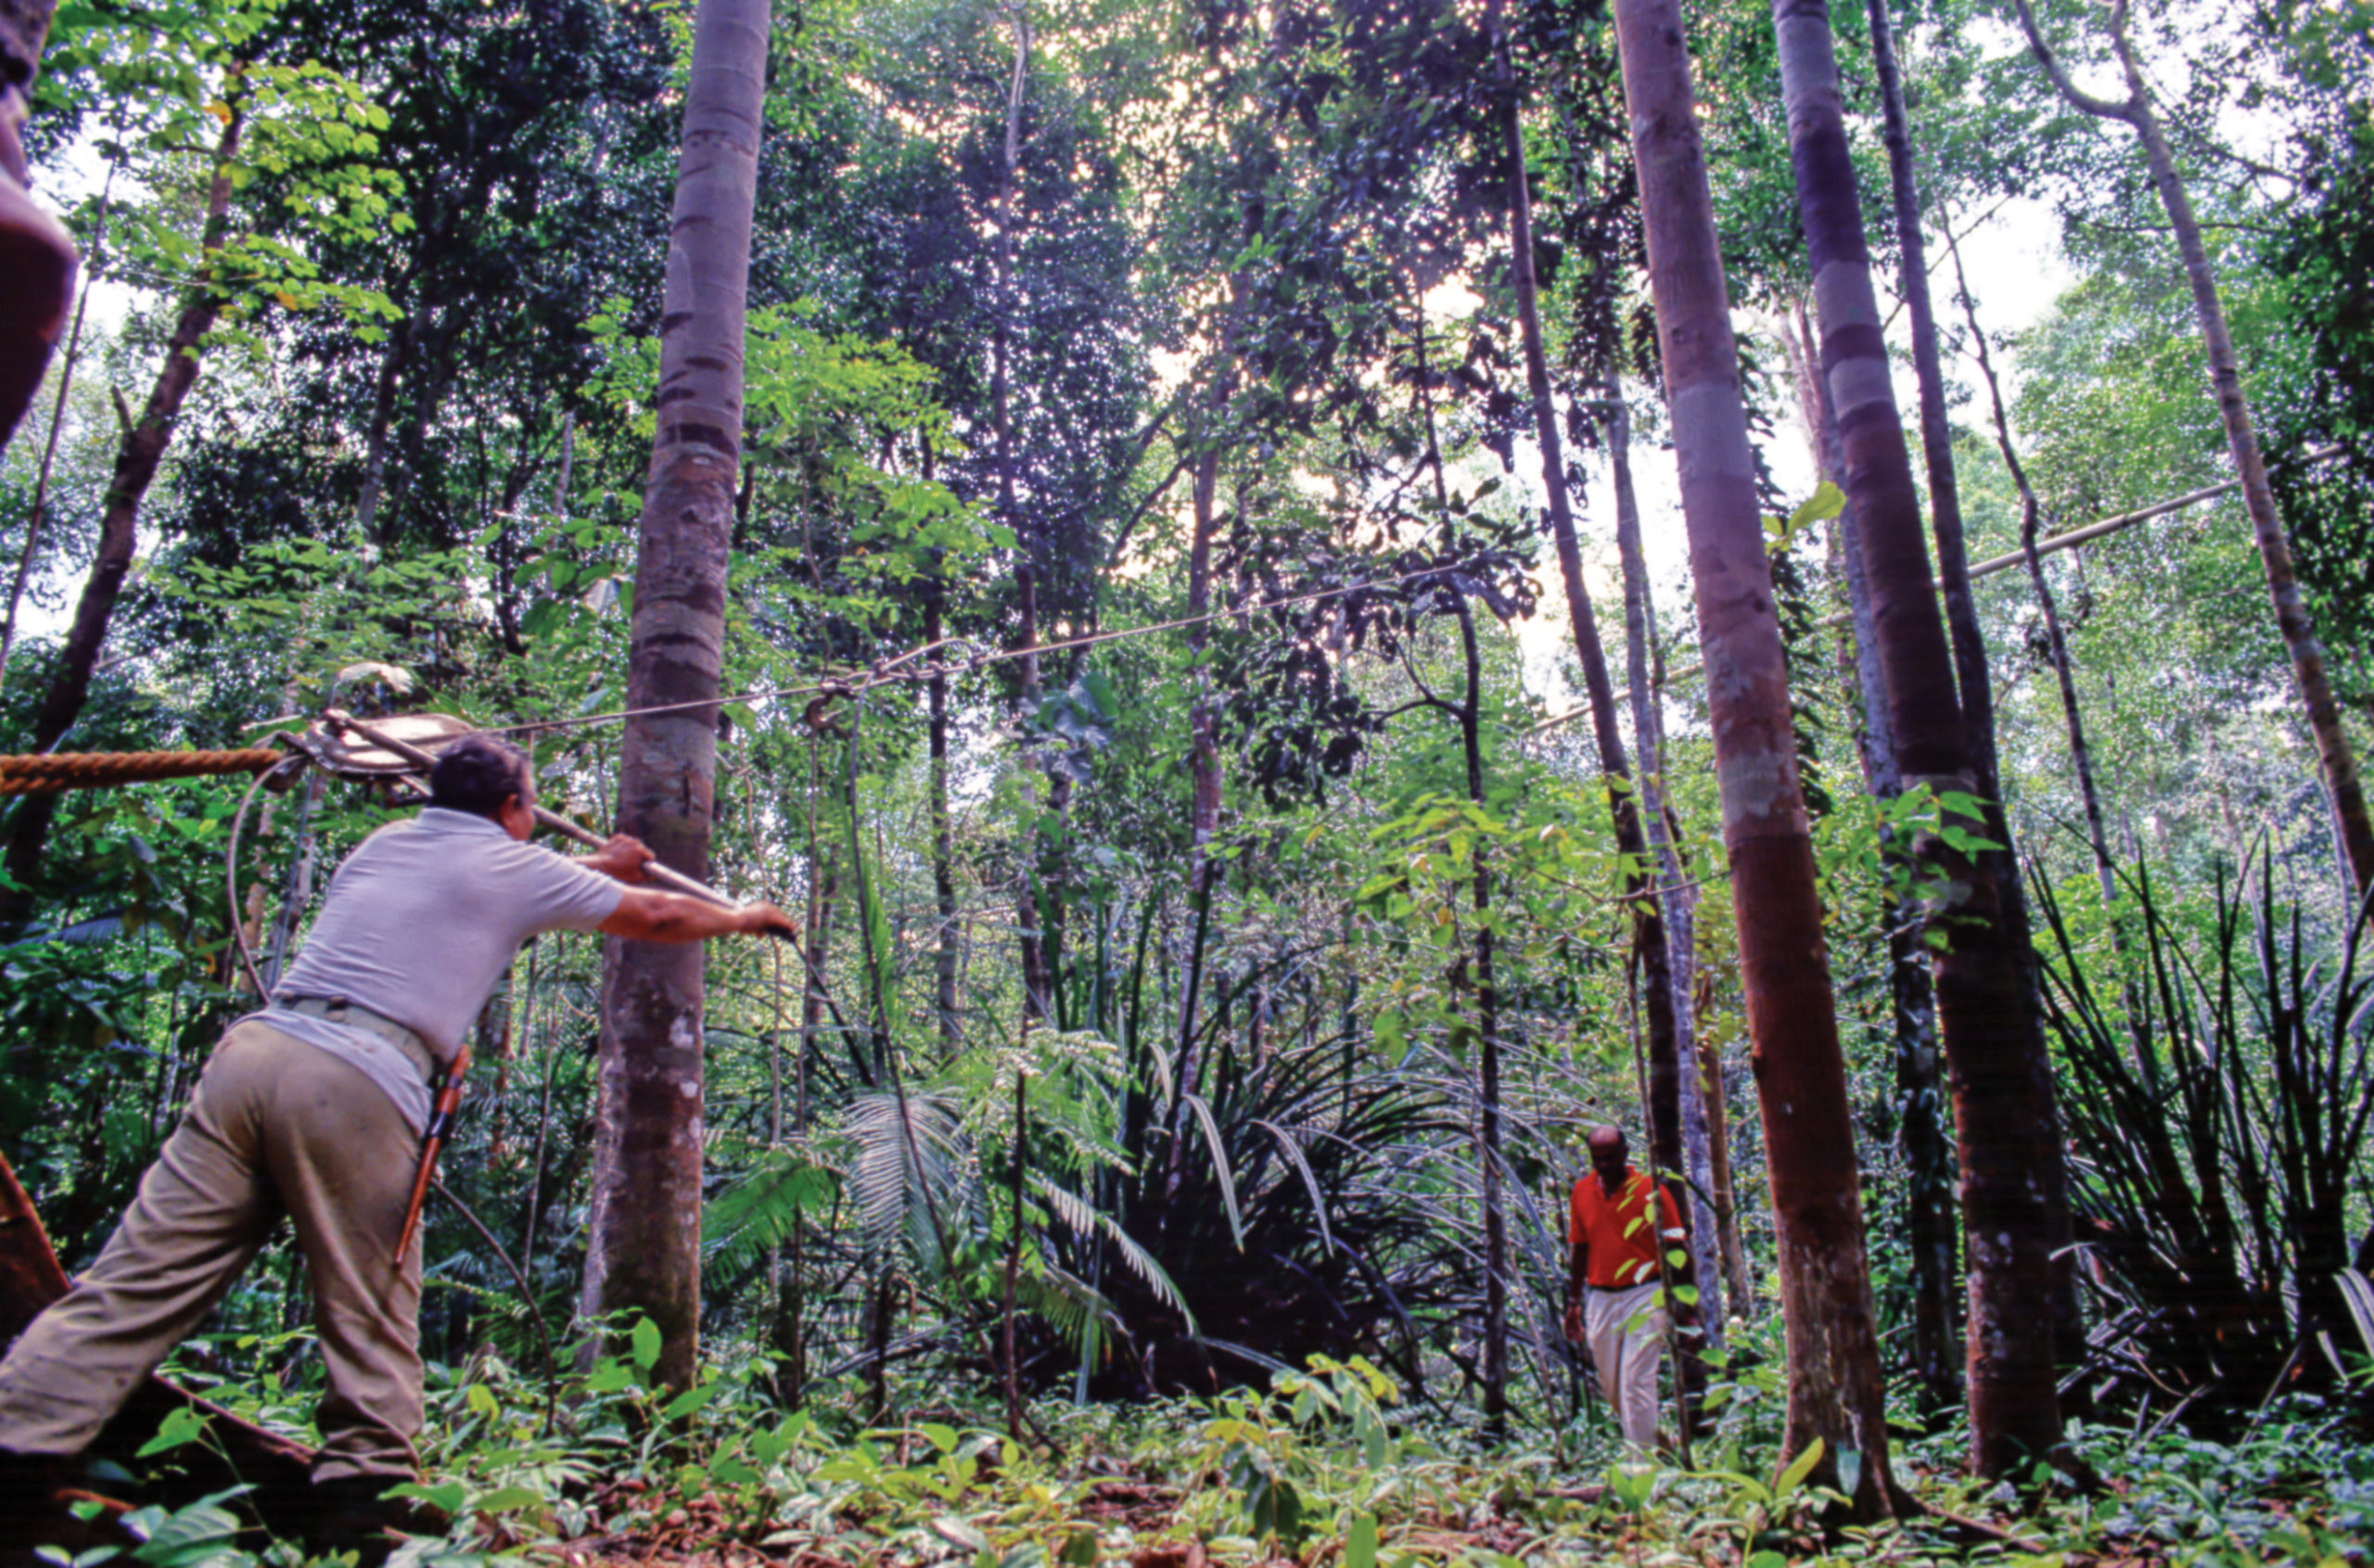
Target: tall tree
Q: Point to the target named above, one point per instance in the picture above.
(143, 448)
(2014, 1183)
(643, 1251)
(1700, 1093)
(1920, 1131)
(2353, 828)
(1834, 1385)
(1641, 895)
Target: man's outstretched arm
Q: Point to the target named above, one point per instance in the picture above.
(646, 914)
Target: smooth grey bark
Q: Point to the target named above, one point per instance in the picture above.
(2007, 1122)
(1920, 1131)
(1834, 1362)
(2352, 829)
(642, 1248)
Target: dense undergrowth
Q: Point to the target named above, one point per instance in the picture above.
(1326, 1466)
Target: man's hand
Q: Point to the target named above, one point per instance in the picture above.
(1573, 1322)
(761, 920)
(622, 858)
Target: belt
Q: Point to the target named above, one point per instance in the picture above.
(1619, 1290)
(338, 1010)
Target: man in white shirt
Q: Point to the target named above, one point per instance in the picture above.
(314, 1109)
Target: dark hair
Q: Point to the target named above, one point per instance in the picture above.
(476, 774)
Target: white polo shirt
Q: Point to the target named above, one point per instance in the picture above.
(418, 925)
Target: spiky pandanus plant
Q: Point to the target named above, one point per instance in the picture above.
(1279, 1208)
(2218, 1135)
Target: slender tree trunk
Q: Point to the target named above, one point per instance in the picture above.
(1487, 1053)
(36, 253)
(375, 439)
(135, 469)
(2081, 756)
(1739, 1285)
(1037, 979)
(2005, 1119)
(1921, 1133)
(643, 1249)
(943, 840)
(33, 518)
(1469, 711)
(1649, 941)
(1834, 1363)
(2000, 865)
(1204, 754)
(1673, 900)
(2353, 829)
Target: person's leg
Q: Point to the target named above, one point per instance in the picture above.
(203, 1210)
(343, 1158)
(1643, 1338)
(1604, 1329)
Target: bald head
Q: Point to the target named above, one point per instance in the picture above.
(1608, 1151)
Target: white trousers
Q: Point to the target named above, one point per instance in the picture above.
(1625, 1332)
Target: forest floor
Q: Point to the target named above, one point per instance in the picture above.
(1325, 1469)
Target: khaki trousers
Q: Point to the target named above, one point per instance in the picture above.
(277, 1127)
(1625, 1332)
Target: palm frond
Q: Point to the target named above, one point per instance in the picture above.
(1309, 1179)
(1218, 1146)
(1072, 1306)
(761, 1207)
(1088, 1220)
(909, 1165)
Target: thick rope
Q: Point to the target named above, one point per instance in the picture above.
(97, 769)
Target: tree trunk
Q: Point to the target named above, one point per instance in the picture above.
(1834, 1364)
(2081, 756)
(1913, 1004)
(375, 439)
(943, 840)
(2000, 865)
(36, 253)
(1037, 978)
(1487, 1051)
(1675, 900)
(1663, 1110)
(2353, 831)
(32, 550)
(1204, 750)
(2005, 1114)
(135, 469)
(643, 1249)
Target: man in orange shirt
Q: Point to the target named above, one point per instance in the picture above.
(1615, 1297)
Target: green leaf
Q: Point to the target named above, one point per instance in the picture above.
(646, 1344)
(690, 1400)
(1360, 1543)
(957, 1530)
(180, 1426)
(1799, 1468)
